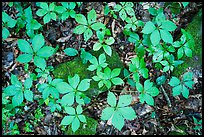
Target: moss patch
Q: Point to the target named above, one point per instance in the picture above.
(195, 30)
(88, 128)
(77, 67)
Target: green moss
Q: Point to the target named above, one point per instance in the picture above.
(88, 128)
(77, 67)
(195, 30)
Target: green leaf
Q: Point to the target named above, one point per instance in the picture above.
(84, 85)
(100, 84)
(68, 99)
(24, 46)
(97, 26)
(185, 92)
(60, 9)
(82, 118)
(65, 15)
(139, 87)
(177, 44)
(174, 81)
(166, 68)
(153, 91)
(92, 67)
(81, 19)
(75, 124)
(80, 29)
(11, 90)
(144, 72)
(123, 14)
(74, 81)
(11, 23)
(180, 53)
(117, 81)
(67, 120)
(117, 7)
(28, 95)
(118, 120)
(46, 92)
(160, 18)
(5, 33)
(71, 51)
(70, 110)
(54, 92)
(15, 81)
(97, 46)
(149, 99)
(47, 18)
(115, 72)
(102, 59)
(189, 84)
(148, 84)
(107, 49)
(187, 76)
(124, 100)
(177, 90)
(45, 52)
(155, 37)
(63, 87)
(37, 42)
(17, 98)
(110, 41)
(127, 113)
(28, 83)
(107, 83)
(41, 12)
(168, 25)
(53, 16)
(136, 76)
(107, 113)
(40, 62)
(96, 78)
(111, 99)
(188, 51)
(166, 36)
(24, 58)
(91, 16)
(130, 11)
(79, 109)
(87, 34)
(148, 28)
(44, 5)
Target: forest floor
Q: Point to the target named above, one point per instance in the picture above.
(160, 119)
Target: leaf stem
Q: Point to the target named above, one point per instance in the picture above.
(166, 96)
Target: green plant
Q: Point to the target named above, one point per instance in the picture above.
(185, 44)
(85, 56)
(53, 104)
(147, 92)
(124, 9)
(73, 90)
(97, 64)
(198, 124)
(107, 10)
(44, 73)
(117, 112)
(138, 67)
(105, 43)
(18, 91)
(38, 51)
(31, 24)
(162, 31)
(47, 11)
(183, 85)
(176, 7)
(74, 118)
(170, 63)
(66, 10)
(7, 22)
(28, 127)
(108, 77)
(87, 24)
(133, 23)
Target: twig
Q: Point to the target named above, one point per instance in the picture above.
(166, 96)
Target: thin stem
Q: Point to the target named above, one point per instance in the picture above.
(166, 96)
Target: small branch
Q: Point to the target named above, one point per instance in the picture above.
(166, 96)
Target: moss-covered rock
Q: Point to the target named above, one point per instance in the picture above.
(195, 29)
(88, 128)
(77, 67)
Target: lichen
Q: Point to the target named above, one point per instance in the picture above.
(195, 29)
(76, 66)
(88, 128)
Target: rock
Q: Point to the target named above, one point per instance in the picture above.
(195, 29)
(88, 128)
(77, 67)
